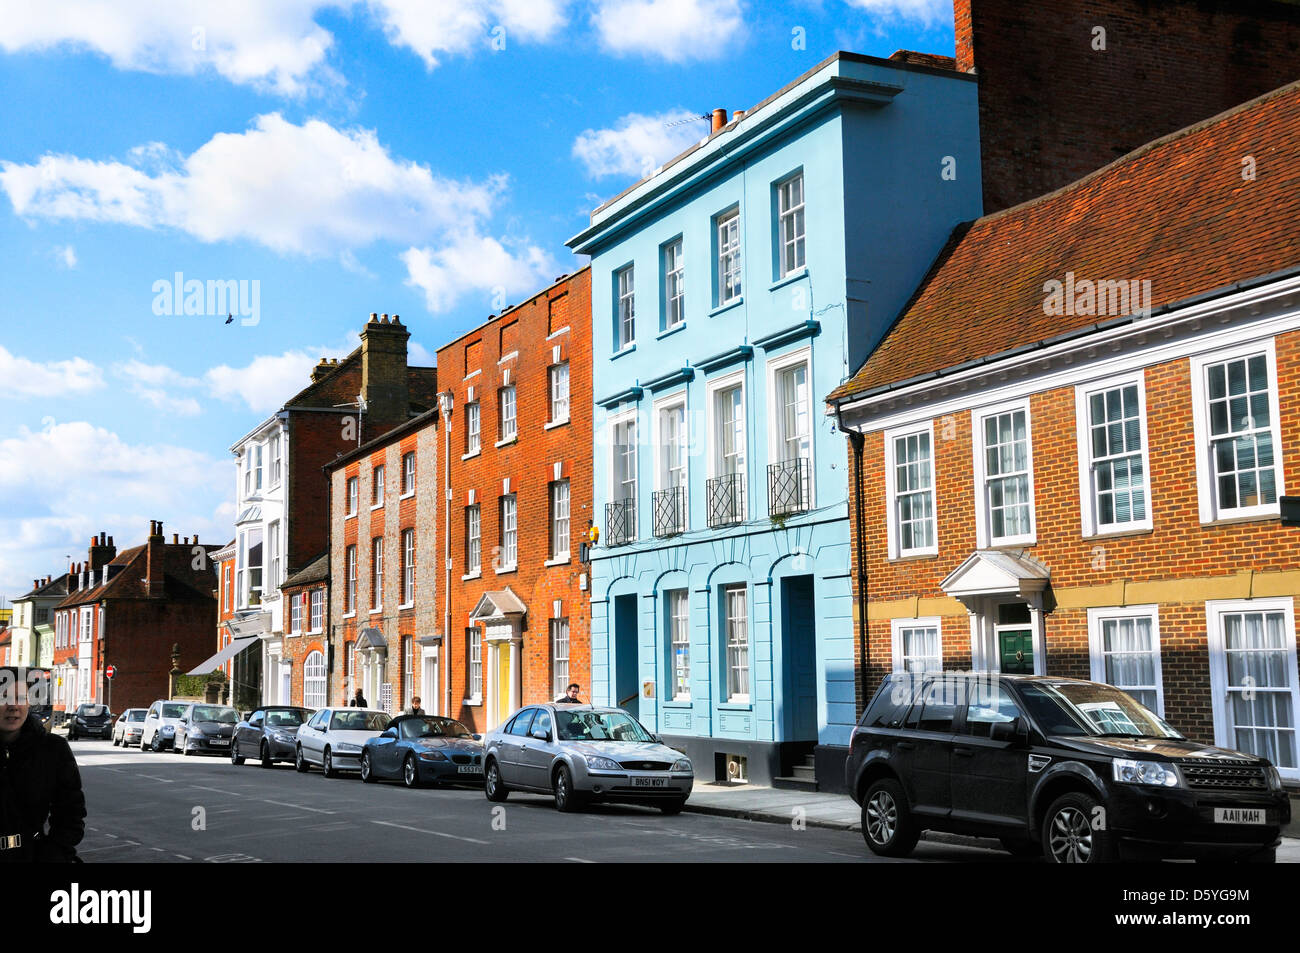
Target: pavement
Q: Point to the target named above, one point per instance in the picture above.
(837, 812)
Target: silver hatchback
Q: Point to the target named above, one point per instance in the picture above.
(584, 753)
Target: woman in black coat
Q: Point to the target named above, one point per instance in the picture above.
(39, 783)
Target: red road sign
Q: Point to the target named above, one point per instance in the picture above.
(108, 672)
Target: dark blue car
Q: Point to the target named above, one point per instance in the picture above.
(422, 749)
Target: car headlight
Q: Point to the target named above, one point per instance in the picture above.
(344, 746)
(1144, 772)
(1274, 779)
(168, 729)
(195, 732)
(433, 756)
(683, 764)
(603, 764)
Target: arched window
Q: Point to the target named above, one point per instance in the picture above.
(313, 685)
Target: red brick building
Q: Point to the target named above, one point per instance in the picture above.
(306, 600)
(519, 472)
(383, 559)
(129, 609)
(1076, 438)
(1067, 87)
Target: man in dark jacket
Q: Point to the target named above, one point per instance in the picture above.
(39, 782)
(359, 701)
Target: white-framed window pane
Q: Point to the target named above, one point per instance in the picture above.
(377, 577)
(295, 616)
(674, 285)
(921, 649)
(1261, 706)
(473, 541)
(509, 425)
(408, 473)
(795, 422)
(317, 609)
(790, 194)
(377, 487)
(352, 496)
(730, 283)
(472, 427)
(679, 633)
(626, 307)
(350, 593)
(560, 519)
(1129, 658)
(509, 531)
(408, 672)
(914, 491)
(672, 447)
(560, 391)
(313, 681)
(625, 460)
(474, 637)
(408, 566)
(559, 657)
(1115, 445)
(737, 629)
(1006, 474)
(729, 414)
(1241, 432)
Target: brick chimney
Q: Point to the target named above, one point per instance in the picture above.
(155, 547)
(965, 31)
(322, 368)
(101, 552)
(719, 120)
(384, 383)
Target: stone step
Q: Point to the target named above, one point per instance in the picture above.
(795, 784)
(805, 771)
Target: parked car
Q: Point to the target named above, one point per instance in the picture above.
(1076, 770)
(423, 749)
(205, 728)
(272, 732)
(584, 753)
(333, 738)
(160, 724)
(129, 725)
(91, 721)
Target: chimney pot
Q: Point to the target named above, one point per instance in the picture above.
(719, 120)
(374, 315)
(738, 115)
(396, 319)
(176, 538)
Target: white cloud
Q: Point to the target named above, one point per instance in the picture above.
(675, 30)
(310, 189)
(60, 485)
(268, 380)
(28, 378)
(66, 256)
(474, 262)
(155, 383)
(926, 12)
(276, 46)
(417, 355)
(431, 29)
(637, 144)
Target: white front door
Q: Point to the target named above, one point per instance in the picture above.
(430, 691)
(1253, 679)
(286, 683)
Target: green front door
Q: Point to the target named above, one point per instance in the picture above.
(1017, 652)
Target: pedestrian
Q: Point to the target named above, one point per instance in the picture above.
(570, 696)
(359, 700)
(414, 708)
(39, 782)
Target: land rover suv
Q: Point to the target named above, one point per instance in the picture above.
(1077, 771)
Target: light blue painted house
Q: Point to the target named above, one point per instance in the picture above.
(731, 291)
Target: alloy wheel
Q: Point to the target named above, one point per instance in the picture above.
(882, 817)
(1071, 837)
(409, 772)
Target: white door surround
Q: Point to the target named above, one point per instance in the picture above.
(988, 579)
(502, 614)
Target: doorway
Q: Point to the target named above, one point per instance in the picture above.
(627, 694)
(1015, 638)
(799, 658)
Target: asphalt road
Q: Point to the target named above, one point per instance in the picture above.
(160, 808)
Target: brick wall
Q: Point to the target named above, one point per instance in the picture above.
(1053, 108)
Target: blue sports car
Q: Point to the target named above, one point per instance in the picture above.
(423, 749)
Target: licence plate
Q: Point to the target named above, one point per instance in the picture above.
(1237, 815)
(649, 782)
(470, 769)
(219, 741)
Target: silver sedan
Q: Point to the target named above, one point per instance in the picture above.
(584, 753)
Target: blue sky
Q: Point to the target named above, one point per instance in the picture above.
(405, 156)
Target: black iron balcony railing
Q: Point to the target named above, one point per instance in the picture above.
(669, 507)
(788, 484)
(726, 499)
(620, 522)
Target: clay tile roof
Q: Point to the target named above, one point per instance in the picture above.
(933, 60)
(1178, 212)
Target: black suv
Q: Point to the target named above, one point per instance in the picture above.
(1075, 770)
(91, 721)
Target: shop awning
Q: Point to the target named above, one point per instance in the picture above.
(221, 658)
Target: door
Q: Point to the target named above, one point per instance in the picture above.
(990, 778)
(1016, 651)
(503, 681)
(384, 752)
(535, 756)
(798, 646)
(927, 742)
(431, 695)
(627, 693)
(510, 748)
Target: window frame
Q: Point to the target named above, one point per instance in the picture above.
(676, 401)
(898, 642)
(616, 491)
(736, 698)
(553, 520)
(559, 683)
(408, 474)
(376, 573)
(353, 492)
(782, 214)
(1090, 526)
(474, 566)
(554, 375)
(894, 526)
(672, 599)
(673, 249)
(728, 258)
(474, 664)
(1206, 475)
(377, 487)
(350, 580)
(624, 307)
(1097, 617)
(507, 398)
(508, 530)
(473, 427)
(712, 390)
(408, 569)
(776, 437)
(316, 611)
(983, 512)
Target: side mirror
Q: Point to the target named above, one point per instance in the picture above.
(1014, 731)
(541, 734)
(478, 737)
(390, 733)
(657, 739)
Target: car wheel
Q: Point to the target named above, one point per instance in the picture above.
(299, 762)
(327, 765)
(566, 799)
(234, 753)
(410, 772)
(185, 748)
(114, 741)
(1021, 847)
(493, 786)
(1068, 833)
(887, 823)
(265, 753)
(674, 806)
(157, 742)
(72, 735)
(367, 773)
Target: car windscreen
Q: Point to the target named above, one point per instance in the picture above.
(359, 721)
(173, 711)
(598, 726)
(136, 715)
(286, 718)
(1089, 708)
(222, 716)
(91, 710)
(434, 728)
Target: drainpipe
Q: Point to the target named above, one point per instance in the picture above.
(446, 400)
(857, 441)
